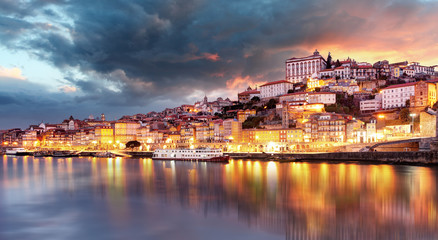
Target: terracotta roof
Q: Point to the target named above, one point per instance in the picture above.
(315, 93)
(364, 66)
(401, 85)
(275, 82)
(249, 92)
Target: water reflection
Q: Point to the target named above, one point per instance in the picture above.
(284, 200)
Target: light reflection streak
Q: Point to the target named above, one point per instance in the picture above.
(117, 190)
(5, 170)
(14, 167)
(26, 173)
(272, 178)
(36, 169)
(70, 179)
(48, 168)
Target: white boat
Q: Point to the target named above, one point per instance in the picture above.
(16, 151)
(199, 154)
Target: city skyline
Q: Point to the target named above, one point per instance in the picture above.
(60, 58)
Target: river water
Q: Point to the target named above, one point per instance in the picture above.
(125, 198)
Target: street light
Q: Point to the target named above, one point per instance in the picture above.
(412, 116)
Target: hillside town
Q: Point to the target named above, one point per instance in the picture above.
(322, 104)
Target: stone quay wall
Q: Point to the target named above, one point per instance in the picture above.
(429, 157)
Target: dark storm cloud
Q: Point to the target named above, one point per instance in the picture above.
(6, 99)
(23, 103)
(11, 28)
(135, 53)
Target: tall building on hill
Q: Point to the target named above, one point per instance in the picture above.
(299, 69)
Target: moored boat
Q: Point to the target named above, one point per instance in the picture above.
(17, 151)
(199, 154)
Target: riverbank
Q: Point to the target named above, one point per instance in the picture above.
(411, 158)
(423, 158)
(426, 158)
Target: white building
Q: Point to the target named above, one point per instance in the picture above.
(293, 97)
(371, 105)
(363, 71)
(396, 95)
(343, 72)
(247, 95)
(299, 69)
(408, 71)
(321, 97)
(418, 69)
(327, 73)
(274, 89)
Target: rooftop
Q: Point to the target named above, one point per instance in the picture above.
(275, 82)
(401, 85)
(249, 92)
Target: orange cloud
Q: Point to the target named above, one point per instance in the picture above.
(241, 83)
(371, 31)
(67, 89)
(207, 56)
(212, 57)
(14, 73)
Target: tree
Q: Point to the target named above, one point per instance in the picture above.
(133, 144)
(271, 104)
(255, 99)
(220, 115)
(337, 64)
(383, 77)
(331, 108)
(404, 115)
(290, 91)
(329, 62)
(252, 122)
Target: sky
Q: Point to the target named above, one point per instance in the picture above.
(122, 57)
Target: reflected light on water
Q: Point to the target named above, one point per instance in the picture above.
(289, 200)
(272, 178)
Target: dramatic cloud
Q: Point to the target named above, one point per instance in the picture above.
(152, 54)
